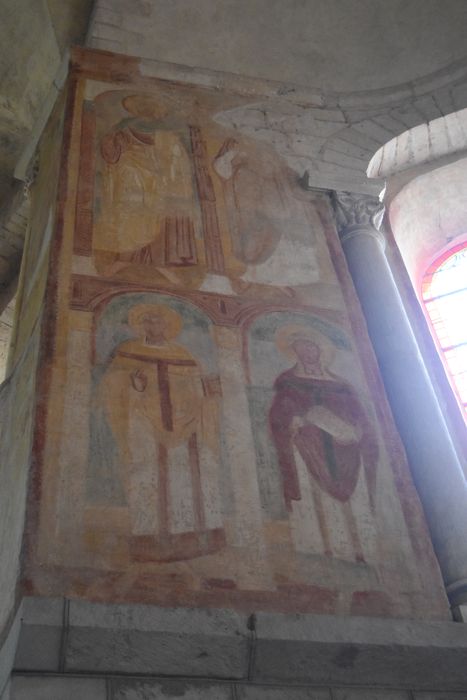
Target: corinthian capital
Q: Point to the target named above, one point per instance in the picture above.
(356, 210)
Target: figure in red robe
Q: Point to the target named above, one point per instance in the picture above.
(318, 415)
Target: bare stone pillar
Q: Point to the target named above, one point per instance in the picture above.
(435, 467)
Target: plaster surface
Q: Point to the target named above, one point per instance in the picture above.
(21, 76)
(328, 44)
(35, 36)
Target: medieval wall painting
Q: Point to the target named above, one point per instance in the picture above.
(181, 202)
(216, 434)
(319, 437)
(156, 402)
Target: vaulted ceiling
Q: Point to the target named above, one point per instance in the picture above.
(331, 45)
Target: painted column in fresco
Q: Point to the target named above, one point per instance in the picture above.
(246, 497)
(435, 466)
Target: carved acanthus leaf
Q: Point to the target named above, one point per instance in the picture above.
(357, 210)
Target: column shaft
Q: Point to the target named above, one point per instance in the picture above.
(433, 460)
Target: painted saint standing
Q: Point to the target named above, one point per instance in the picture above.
(148, 216)
(322, 436)
(163, 414)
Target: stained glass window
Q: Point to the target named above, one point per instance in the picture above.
(444, 291)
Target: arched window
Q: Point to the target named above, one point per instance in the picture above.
(444, 291)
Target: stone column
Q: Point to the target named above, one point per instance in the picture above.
(435, 466)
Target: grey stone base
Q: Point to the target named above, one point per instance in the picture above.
(87, 688)
(7, 653)
(246, 652)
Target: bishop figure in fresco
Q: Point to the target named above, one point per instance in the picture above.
(163, 413)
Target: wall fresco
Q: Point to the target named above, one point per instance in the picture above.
(215, 431)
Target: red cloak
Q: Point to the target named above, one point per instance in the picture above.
(333, 464)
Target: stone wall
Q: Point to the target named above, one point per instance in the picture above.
(56, 688)
(16, 402)
(18, 392)
(143, 651)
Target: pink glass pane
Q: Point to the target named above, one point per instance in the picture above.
(444, 291)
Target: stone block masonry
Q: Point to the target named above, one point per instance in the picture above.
(92, 688)
(269, 650)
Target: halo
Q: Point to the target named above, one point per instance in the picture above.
(144, 106)
(287, 335)
(173, 320)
